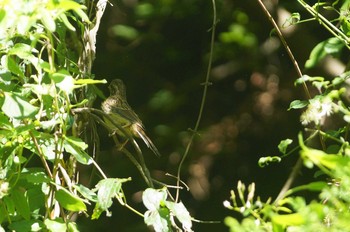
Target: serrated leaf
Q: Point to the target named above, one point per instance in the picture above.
(17, 107)
(70, 201)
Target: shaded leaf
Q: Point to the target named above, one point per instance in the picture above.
(21, 203)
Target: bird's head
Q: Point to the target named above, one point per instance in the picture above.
(117, 87)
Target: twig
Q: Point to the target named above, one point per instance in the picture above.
(206, 85)
(284, 42)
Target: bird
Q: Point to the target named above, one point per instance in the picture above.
(119, 110)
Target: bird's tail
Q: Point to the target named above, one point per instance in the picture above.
(141, 133)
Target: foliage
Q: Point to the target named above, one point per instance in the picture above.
(46, 93)
(323, 146)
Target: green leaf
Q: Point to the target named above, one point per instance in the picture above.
(37, 177)
(264, 161)
(330, 46)
(76, 147)
(66, 22)
(5, 123)
(160, 219)
(36, 198)
(153, 198)
(297, 104)
(14, 68)
(322, 159)
(26, 226)
(63, 80)
(2, 14)
(17, 107)
(108, 189)
(48, 20)
(86, 192)
(57, 225)
(282, 147)
(125, 32)
(21, 203)
(89, 81)
(70, 201)
(288, 219)
(181, 213)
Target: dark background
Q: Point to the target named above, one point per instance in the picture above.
(161, 53)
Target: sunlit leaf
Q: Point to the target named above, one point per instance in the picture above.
(56, 225)
(37, 177)
(158, 219)
(89, 81)
(288, 219)
(70, 201)
(153, 198)
(298, 104)
(63, 80)
(76, 147)
(14, 67)
(86, 192)
(107, 189)
(48, 20)
(264, 161)
(15, 106)
(283, 145)
(328, 47)
(181, 213)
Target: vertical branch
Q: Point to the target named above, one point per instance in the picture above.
(204, 96)
(299, 163)
(284, 42)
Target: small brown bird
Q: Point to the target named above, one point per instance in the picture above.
(117, 107)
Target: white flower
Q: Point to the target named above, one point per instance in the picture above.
(317, 111)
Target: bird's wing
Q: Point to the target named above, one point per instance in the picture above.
(128, 114)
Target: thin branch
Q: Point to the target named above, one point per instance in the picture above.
(204, 96)
(284, 42)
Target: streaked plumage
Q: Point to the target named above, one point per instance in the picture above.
(118, 108)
